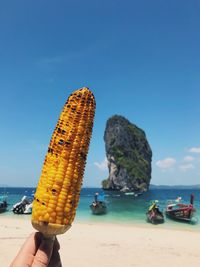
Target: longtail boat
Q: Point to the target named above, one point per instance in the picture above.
(98, 207)
(181, 212)
(3, 204)
(154, 215)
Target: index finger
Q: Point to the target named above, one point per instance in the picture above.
(26, 254)
(32, 244)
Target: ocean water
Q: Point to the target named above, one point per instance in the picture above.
(122, 209)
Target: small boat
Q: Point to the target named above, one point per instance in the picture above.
(129, 193)
(154, 215)
(3, 204)
(24, 206)
(98, 207)
(133, 194)
(181, 212)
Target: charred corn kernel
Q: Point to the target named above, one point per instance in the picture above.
(58, 190)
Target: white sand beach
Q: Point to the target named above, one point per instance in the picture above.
(109, 245)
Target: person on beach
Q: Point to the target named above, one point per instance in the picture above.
(96, 197)
(38, 251)
(99, 197)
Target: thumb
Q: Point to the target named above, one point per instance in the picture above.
(43, 255)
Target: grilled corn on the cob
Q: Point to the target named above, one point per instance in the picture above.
(58, 190)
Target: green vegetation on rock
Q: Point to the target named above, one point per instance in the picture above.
(129, 154)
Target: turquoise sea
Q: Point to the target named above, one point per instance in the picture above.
(122, 209)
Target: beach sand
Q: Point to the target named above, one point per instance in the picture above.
(109, 245)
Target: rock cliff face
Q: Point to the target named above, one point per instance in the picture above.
(129, 156)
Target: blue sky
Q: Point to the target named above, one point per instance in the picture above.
(141, 59)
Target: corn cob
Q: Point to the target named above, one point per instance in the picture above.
(58, 190)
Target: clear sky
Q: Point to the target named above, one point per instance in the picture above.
(140, 58)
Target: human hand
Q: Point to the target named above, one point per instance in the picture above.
(38, 251)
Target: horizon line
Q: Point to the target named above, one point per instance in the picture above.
(177, 185)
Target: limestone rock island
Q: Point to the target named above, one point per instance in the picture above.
(129, 156)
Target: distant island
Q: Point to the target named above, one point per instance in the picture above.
(4, 185)
(152, 186)
(15, 186)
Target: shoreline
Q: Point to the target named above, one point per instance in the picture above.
(168, 225)
(108, 244)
